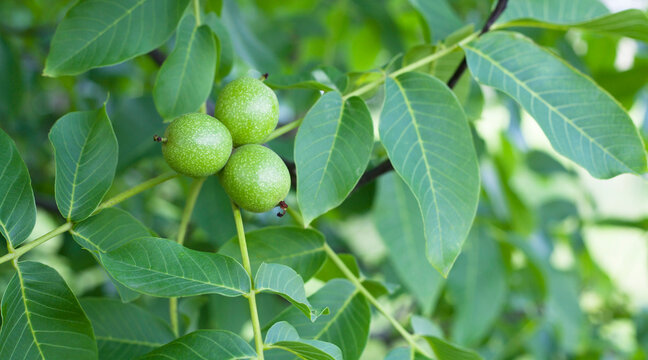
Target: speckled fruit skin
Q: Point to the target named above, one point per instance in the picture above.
(255, 178)
(197, 145)
(249, 109)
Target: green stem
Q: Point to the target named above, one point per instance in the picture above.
(349, 274)
(254, 313)
(283, 129)
(358, 284)
(295, 215)
(135, 190)
(173, 315)
(194, 190)
(196, 10)
(413, 66)
(16, 253)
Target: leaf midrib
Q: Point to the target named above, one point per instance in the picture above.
(549, 106)
(129, 341)
(295, 352)
(27, 312)
(427, 167)
(337, 314)
(190, 45)
(335, 137)
(177, 276)
(76, 166)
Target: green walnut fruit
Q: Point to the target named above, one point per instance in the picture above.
(249, 109)
(255, 178)
(196, 145)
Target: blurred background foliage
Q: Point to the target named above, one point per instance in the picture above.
(557, 262)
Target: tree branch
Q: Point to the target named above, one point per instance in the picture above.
(386, 166)
(497, 12)
(157, 56)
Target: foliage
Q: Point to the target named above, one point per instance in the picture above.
(447, 161)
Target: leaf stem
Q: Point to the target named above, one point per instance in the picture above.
(194, 190)
(349, 274)
(413, 66)
(16, 253)
(283, 129)
(254, 314)
(196, 10)
(358, 284)
(135, 190)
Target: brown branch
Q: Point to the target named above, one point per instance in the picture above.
(386, 166)
(157, 56)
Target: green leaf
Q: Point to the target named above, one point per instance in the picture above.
(12, 85)
(564, 312)
(296, 81)
(17, 206)
(161, 267)
(299, 248)
(332, 150)
(204, 344)
(554, 11)
(395, 214)
(350, 314)
(429, 143)
(246, 44)
(225, 50)
(283, 336)
(581, 120)
(98, 33)
(42, 319)
(185, 79)
(282, 280)
(588, 15)
(478, 274)
(125, 331)
(424, 326)
(125, 294)
(85, 149)
(444, 350)
(439, 16)
(108, 230)
(213, 213)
